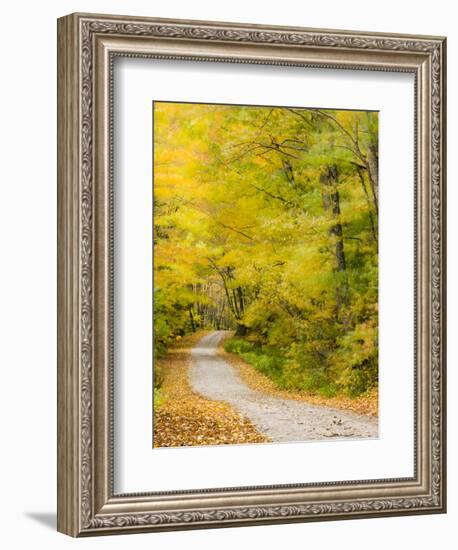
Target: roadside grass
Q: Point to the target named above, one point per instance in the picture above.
(270, 374)
(269, 362)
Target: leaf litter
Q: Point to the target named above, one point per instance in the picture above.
(366, 404)
(184, 418)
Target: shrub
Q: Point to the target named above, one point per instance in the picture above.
(306, 367)
(158, 376)
(268, 361)
(238, 346)
(159, 398)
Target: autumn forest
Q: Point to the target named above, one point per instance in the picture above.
(266, 225)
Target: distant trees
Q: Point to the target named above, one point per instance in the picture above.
(265, 221)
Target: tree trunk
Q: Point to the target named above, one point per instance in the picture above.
(331, 205)
(241, 301)
(241, 329)
(234, 296)
(191, 317)
(372, 171)
(369, 203)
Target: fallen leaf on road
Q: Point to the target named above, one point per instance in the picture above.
(187, 419)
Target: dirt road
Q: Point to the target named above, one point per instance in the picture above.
(277, 418)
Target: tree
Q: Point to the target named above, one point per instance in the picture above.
(265, 221)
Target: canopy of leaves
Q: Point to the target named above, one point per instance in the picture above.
(265, 222)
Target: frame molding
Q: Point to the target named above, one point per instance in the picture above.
(87, 45)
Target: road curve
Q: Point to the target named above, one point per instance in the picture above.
(279, 419)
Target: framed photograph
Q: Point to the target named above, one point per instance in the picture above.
(251, 289)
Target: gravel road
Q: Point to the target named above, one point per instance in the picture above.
(277, 418)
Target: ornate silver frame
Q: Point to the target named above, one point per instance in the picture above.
(87, 44)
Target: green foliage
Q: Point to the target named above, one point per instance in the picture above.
(265, 222)
(158, 377)
(158, 380)
(159, 398)
(235, 345)
(268, 362)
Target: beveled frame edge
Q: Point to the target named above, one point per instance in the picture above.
(86, 42)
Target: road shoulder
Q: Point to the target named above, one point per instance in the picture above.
(365, 405)
(187, 419)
